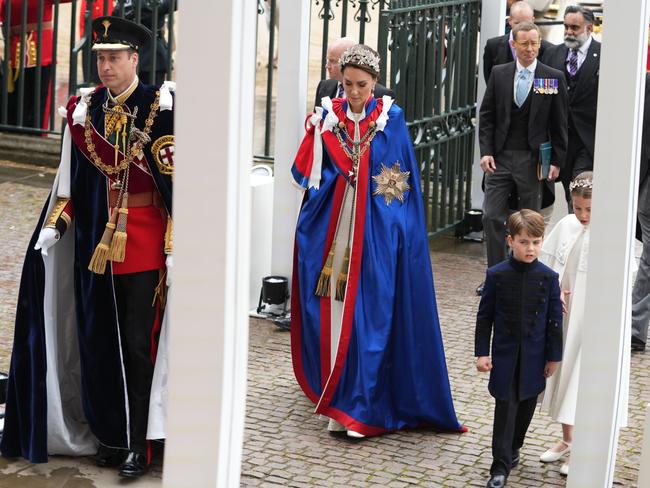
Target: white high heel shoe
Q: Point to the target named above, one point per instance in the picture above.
(564, 469)
(551, 456)
(355, 434)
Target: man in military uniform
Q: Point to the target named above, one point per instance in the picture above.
(91, 301)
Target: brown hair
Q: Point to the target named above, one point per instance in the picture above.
(526, 220)
(582, 185)
(525, 27)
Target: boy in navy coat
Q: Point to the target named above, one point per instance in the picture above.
(521, 309)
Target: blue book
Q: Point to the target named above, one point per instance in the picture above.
(544, 161)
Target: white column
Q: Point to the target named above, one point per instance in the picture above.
(607, 312)
(290, 110)
(493, 14)
(214, 123)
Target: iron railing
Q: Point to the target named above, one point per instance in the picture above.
(337, 18)
(429, 58)
(30, 68)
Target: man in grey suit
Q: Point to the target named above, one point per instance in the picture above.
(525, 105)
(641, 290)
(333, 87)
(579, 59)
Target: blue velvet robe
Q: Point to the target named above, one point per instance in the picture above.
(103, 394)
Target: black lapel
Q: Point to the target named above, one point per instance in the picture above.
(506, 50)
(508, 87)
(591, 63)
(561, 54)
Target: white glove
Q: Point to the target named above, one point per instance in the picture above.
(169, 263)
(46, 239)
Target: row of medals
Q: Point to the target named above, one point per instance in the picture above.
(546, 86)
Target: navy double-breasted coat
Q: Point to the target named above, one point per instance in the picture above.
(521, 311)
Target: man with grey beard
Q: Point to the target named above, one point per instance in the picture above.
(579, 59)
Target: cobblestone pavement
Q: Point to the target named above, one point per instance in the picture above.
(23, 190)
(287, 445)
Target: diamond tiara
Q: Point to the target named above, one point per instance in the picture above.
(580, 184)
(360, 55)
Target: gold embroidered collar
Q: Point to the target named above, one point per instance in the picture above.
(122, 97)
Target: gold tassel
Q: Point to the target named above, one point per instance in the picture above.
(160, 293)
(117, 251)
(100, 256)
(323, 286)
(169, 236)
(342, 280)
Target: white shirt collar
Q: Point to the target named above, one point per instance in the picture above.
(585, 47)
(531, 68)
(352, 116)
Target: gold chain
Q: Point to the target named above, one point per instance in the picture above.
(358, 148)
(137, 147)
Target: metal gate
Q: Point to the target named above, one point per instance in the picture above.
(31, 73)
(429, 58)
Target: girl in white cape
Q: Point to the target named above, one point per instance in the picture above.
(565, 251)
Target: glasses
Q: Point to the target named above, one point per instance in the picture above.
(527, 44)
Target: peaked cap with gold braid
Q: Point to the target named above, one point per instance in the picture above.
(116, 33)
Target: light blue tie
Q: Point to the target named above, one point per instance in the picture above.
(522, 87)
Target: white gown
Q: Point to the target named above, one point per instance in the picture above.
(565, 250)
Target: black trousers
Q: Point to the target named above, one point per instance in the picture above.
(134, 294)
(511, 420)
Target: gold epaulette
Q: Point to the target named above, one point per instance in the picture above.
(169, 237)
(58, 213)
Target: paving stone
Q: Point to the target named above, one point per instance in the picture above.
(285, 444)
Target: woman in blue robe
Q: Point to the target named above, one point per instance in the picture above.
(365, 337)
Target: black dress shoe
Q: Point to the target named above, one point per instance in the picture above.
(497, 481)
(637, 345)
(109, 457)
(134, 466)
(515, 459)
(479, 289)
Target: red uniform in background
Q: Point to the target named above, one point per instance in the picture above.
(97, 11)
(30, 40)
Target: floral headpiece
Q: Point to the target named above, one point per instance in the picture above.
(581, 184)
(361, 56)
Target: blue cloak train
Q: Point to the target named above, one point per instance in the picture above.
(389, 371)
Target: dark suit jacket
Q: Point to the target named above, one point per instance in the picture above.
(645, 139)
(327, 88)
(583, 98)
(548, 113)
(521, 310)
(497, 51)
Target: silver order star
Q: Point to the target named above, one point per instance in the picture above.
(392, 183)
